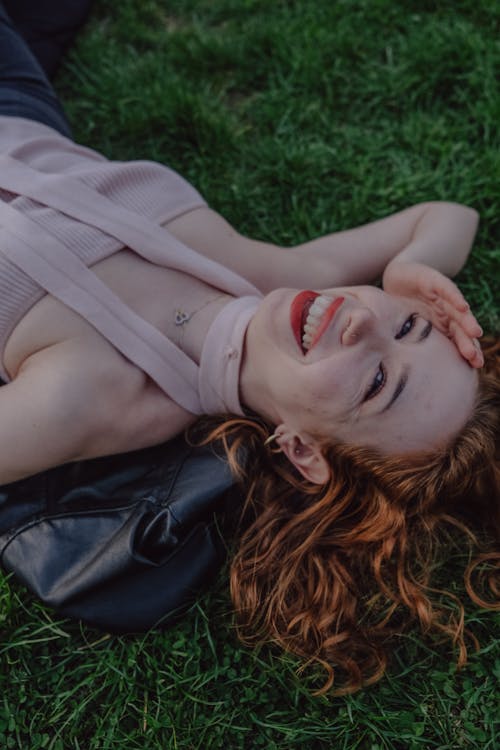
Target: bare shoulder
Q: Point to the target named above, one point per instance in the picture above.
(80, 399)
(118, 406)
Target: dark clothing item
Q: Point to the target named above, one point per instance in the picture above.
(124, 543)
(48, 26)
(33, 36)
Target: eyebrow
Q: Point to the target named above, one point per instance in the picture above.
(398, 390)
(424, 333)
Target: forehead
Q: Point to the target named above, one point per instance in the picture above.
(436, 402)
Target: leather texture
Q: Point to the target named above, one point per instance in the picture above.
(123, 543)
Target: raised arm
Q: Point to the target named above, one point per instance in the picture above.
(438, 234)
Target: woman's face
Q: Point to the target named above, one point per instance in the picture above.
(371, 371)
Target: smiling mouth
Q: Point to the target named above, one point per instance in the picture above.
(310, 315)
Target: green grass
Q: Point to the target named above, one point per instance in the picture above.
(293, 119)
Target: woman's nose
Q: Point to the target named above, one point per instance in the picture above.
(361, 322)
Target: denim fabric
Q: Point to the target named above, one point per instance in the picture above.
(25, 90)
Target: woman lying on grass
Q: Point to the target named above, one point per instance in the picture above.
(368, 422)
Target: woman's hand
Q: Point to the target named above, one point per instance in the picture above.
(444, 304)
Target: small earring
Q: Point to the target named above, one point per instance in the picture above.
(270, 439)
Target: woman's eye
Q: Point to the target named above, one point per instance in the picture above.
(377, 383)
(407, 326)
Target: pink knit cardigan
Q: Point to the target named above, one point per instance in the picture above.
(63, 207)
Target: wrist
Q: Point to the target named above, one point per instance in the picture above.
(393, 266)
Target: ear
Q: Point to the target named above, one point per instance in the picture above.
(305, 454)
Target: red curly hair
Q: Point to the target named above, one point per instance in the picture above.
(329, 573)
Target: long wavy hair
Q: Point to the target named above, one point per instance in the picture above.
(331, 572)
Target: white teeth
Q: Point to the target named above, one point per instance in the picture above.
(316, 308)
(313, 320)
(323, 301)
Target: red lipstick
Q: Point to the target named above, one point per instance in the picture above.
(326, 319)
(299, 310)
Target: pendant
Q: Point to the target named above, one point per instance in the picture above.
(181, 317)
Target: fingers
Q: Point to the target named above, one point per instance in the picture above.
(456, 319)
(449, 301)
(478, 359)
(446, 306)
(446, 290)
(454, 296)
(466, 320)
(469, 348)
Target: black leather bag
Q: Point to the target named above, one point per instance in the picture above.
(124, 542)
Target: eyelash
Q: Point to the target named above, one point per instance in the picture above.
(402, 332)
(380, 378)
